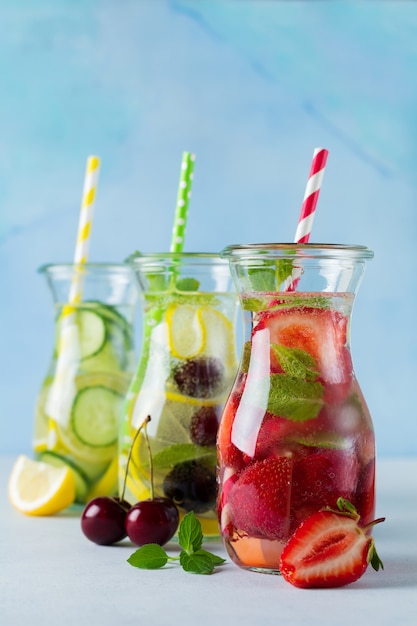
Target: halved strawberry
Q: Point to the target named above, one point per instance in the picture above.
(320, 332)
(329, 549)
(260, 499)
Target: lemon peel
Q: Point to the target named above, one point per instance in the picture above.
(37, 488)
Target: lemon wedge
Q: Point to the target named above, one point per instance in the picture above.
(37, 488)
(186, 333)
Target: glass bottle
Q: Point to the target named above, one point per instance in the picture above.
(80, 402)
(187, 365)
(296, 432)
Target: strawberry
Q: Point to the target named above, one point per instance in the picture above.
(228, 453)
(365, 501)
(319, 478)
(272, 436)
(259, 500)
(329, 549)
(320, 332)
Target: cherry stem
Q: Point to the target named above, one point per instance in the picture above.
(149, 456)
(143, 425)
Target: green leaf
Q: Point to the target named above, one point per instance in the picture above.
(254, 304)
(180, 452)
(284, 268)
(295, 362)
(270, 274)
(216, 560)
(263, 278)
(373, 557)
(190, 534)
(293, 398)
(187, 284)
(196, 562)
(157, 282)
(149, 556)
(246, 355)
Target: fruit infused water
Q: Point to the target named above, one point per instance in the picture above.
(296, 433)
(80, 402)
(184, 375)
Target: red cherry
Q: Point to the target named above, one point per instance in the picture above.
(103, 520)
(152, 521)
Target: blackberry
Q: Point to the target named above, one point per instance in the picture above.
(192, 486)
(199, 378)
(204, 425)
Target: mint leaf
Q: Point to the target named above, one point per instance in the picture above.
(196, 562)
(322, 440)
(295, 362)
(262, 278)
(149, 556)
(180, 452)
(269, 275)
(192, 557)
(246, 355)
(254, 303)
(187, 284)
(157, 282)
(216, 560)
(284, 269)
(190, 534)
(293, 398)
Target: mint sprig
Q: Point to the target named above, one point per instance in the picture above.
(192, 558)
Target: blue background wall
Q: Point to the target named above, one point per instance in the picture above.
(251, 87)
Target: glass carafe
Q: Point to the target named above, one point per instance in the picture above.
(185, 372)
(296, 433)
(80, 402)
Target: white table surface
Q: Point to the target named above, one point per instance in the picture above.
(51, 574)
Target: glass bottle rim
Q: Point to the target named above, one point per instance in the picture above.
(64, 269)
(312, 250)
(158, 257)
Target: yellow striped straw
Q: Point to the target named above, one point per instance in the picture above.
(84, 226)
(61, 392)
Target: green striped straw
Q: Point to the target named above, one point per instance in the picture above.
(183, 201)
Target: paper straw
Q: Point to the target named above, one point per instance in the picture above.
(311, 195)
(308, 208)
(61, 393)
(183, 201)
(84, 224)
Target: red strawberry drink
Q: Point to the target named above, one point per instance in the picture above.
(296, 433)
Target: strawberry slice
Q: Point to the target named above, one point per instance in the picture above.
(329, 549)
(320, 332)
(260, 499)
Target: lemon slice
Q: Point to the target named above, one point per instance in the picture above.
(219, 336)
(37, 488)
(186, 333)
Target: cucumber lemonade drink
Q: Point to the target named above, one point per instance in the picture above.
(185, 372)
(80, 403)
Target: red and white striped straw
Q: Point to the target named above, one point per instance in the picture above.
(311, 195)
(308, 208)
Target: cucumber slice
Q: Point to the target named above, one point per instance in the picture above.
(81, 483)
(91, 332)
(111, 314)
(95, 416)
